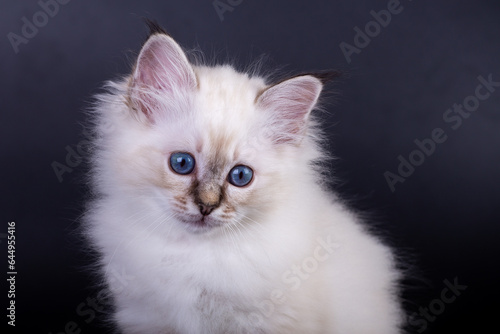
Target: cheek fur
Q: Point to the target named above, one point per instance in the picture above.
(180, 188)
(268, 187)
(245, 200)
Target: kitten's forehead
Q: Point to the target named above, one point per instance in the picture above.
(225, 95)
(225, 112)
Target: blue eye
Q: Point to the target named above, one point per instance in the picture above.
(240, 176)
(182, 163)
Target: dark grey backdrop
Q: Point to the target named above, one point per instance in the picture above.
(399, 87)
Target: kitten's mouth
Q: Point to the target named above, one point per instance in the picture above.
(200, 224)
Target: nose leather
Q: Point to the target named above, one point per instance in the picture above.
(206, 209)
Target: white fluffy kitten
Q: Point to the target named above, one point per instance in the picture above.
(208, 198)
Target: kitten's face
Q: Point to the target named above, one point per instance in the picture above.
(220, 146)
(218, 168)
(208, 179)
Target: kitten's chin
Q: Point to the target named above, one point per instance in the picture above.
(200, 224)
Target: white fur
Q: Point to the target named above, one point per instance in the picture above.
(236, 278)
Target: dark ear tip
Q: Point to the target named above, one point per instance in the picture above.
(154, 27)
(327, 76)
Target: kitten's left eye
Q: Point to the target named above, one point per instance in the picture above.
(182, 163)
(240, 175)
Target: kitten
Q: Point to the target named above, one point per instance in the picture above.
(208, 197)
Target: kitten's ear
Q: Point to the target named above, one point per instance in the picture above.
(162, 71)
(289, 104)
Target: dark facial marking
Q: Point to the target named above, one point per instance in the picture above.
(181, 199)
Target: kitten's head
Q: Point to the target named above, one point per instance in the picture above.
(208, 145)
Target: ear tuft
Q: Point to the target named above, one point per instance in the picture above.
(154, 27)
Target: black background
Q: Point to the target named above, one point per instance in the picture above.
(398, 88)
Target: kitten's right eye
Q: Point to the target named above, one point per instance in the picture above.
(240, 176)
(182, 163)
